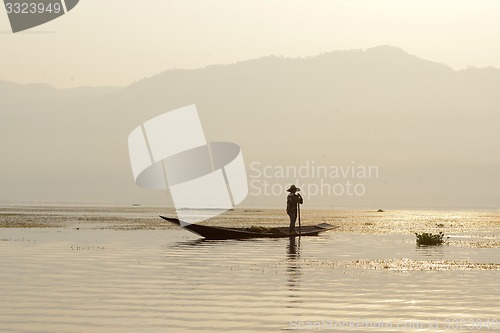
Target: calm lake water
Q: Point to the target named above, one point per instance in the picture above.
(100, 278)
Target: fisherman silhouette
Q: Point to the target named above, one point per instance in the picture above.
(292, 201)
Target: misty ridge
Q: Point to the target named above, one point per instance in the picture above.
(431, 131)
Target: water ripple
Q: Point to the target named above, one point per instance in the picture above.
(66, 280)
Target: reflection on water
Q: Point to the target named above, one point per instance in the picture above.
(431, 252)
(64, 280)
(293, 269)
(191, 243)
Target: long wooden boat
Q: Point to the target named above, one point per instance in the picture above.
(241, 233)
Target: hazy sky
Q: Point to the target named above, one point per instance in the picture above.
(116, 42)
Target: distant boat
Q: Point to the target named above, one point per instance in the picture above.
(245, 233)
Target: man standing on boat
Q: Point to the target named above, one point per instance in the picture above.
(292, 201)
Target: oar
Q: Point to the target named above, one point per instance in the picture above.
(298, 212)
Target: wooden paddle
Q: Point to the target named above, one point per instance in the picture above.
(298, 213)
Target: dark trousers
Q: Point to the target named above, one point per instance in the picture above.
(293, 218)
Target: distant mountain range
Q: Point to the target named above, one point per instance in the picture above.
(431, 131)
(14, 93)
